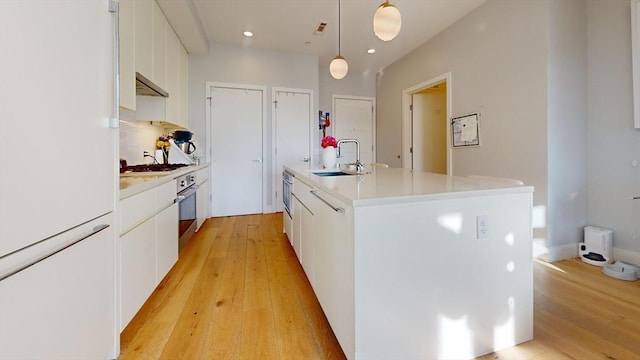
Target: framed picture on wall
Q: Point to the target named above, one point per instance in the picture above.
(465, 130)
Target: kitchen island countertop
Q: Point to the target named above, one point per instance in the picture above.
(379, 186)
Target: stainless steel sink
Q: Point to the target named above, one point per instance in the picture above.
(332, 173)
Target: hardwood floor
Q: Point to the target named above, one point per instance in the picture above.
(238, 292)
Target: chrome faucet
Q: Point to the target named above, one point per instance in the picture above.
(358, 164)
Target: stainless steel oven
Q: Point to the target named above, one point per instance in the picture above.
(287, 184)
(287, 214)
(187, 208)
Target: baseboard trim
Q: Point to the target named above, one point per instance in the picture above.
(570, 251)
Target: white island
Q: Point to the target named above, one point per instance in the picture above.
(402, 267)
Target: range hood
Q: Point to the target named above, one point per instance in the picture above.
(146, 87)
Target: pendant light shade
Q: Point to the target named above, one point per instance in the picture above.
(387, 22)
(338, 67)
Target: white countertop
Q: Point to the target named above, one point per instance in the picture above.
(134, 183)
(380, 186)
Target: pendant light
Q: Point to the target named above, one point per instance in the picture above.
(387, 22)
(338, 66)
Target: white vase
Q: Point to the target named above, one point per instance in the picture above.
(329, 157)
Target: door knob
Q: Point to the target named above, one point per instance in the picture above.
(306, 159)
(257, 160)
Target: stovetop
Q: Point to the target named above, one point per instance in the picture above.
(154, 167)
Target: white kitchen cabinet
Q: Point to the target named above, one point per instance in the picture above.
(203, 196)
(307, 225)
(202, 203)
(148, 245)
(173, 73)
(183, 80)
(127, 55)
(297, 224)
(62, 307)
(159, 59)
(166, 241)
(333, 265)
(304, 219)
(143, 11)
(137, 269)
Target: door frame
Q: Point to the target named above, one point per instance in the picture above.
(265, 149)
(374, 141)
(407, 115)
(274, 128)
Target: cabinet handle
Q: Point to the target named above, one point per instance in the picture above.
(336, 209)
(15, 268)
(635, 198)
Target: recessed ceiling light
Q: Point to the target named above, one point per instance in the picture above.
(371, 51)
(247, 33)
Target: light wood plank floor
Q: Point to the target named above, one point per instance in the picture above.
(238, 292)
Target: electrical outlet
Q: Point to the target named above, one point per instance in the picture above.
(482, 224)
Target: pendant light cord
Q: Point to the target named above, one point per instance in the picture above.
(339, 30)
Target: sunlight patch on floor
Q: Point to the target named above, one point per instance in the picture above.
(549, 265)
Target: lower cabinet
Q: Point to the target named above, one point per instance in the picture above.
(333, 263)
(166, 241)
(137, 269)
(149, 249)
(307, 226)
(202, 203)
(297, 223)
(323, 242)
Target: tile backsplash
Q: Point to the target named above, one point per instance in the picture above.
(136, 137)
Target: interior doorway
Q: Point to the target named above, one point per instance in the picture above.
(292, 114)
(354, 118)
(426, 134)
(237, 115)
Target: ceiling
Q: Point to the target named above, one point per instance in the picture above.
(289, 25)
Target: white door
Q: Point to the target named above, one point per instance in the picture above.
(429, 132)
(236, 150)
(353, 118)
(292, 114)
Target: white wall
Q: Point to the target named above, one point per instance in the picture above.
(566, 127)
(247, 66)
(497, 55)
(613, 143)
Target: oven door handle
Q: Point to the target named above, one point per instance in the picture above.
(186, 193)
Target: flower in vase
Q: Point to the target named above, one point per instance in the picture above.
(329, 141)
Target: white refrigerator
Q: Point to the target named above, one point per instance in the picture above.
(57, 179)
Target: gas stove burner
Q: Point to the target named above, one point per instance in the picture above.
(154, 167)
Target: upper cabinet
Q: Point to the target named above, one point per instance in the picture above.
(159, 44)
(127, 54)
(150, 46)
(143, 35)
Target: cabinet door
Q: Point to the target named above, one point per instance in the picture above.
(333, 266)
(127, 55)
(173, 73)
(143, 11)
(297, 224)
(137, 269)
(159, 35)
(62, 307)
(202, 203)
(48, 116)
(166, 241)
(183, 81)
(306, 242)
